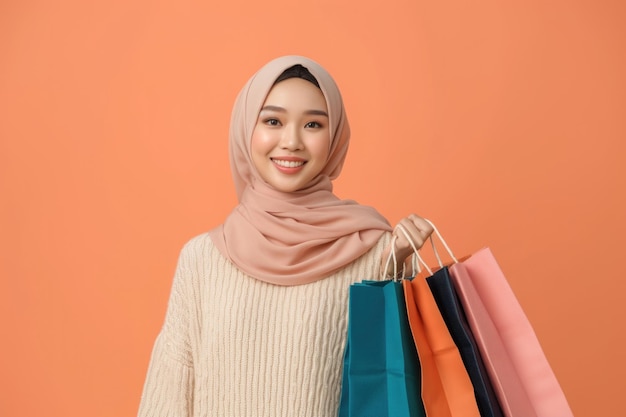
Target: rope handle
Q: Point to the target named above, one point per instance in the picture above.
(416, 260)
(415, 250)
(445, 245)
(392, 255)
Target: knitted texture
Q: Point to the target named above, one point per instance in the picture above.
(234, 346)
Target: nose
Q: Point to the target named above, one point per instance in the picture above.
(291, 139)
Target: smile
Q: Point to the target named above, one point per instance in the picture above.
(288, 164)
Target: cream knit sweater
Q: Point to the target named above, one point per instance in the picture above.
(234, 346)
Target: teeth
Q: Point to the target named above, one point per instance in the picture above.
(288, 164)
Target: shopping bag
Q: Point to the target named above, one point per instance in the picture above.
(517, 367)
(381, 371)
(433, 394)
(444, 342)
(446, 386)
(523, 378)
(450, 309)
(510, 389)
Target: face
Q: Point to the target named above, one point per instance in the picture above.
(291, 140)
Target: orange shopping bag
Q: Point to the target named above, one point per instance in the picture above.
(446, 387)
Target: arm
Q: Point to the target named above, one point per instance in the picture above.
(168, 389)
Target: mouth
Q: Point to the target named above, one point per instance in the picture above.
(288, 163)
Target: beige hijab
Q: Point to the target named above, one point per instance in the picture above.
(300, 237)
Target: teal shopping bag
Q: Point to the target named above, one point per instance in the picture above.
(381, 371)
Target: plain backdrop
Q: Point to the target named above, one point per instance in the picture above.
(503, 122)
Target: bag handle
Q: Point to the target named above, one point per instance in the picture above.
(392, 256)
(417, 259)
(403, 230)
(416, 254)
(445, 245)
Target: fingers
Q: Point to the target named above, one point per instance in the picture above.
(418, 229)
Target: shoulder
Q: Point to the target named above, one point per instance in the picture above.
(199, 250)
(197, 243)
(200, 262)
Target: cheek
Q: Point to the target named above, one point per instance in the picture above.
(255, 142)
(320, 147)
(258, 149)
(260, 143)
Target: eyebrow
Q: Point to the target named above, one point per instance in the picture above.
(282, 110)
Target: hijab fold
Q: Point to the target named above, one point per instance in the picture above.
(299, 237)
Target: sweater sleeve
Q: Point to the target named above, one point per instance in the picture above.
(168, 389)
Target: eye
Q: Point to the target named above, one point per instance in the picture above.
(313, 125)
(271, 122)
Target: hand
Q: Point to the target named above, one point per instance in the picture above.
(419, 231)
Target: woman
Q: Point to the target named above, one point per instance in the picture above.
(256, 322)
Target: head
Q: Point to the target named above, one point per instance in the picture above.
(288, 128)
(291, 140)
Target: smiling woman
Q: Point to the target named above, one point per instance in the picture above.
(267, 290)
(501, 121)
(291, 141)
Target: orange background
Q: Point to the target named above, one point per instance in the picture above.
(503, 122)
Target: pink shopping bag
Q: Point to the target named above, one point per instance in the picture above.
(522, 377)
